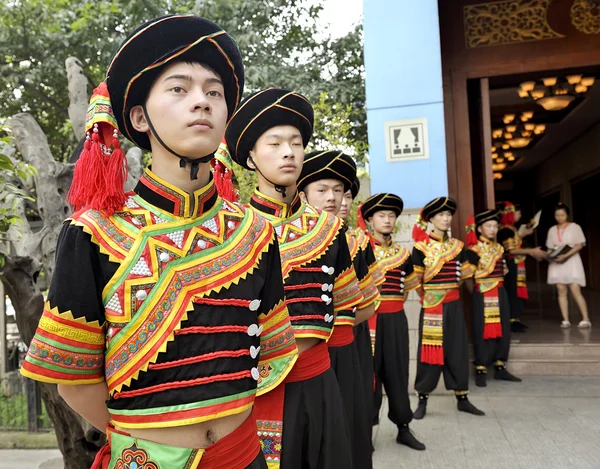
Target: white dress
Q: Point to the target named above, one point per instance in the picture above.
(570, 271)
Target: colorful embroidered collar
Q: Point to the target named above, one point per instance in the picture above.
(389, 244)
(485, 240)
(273, 208)
(435, 237)
(173, 200)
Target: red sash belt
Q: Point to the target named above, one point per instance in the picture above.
(342, 335)
(388, 307)
(235, 451)
(268, 408)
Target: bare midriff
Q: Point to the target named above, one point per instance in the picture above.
(307, 343)
(197, 436)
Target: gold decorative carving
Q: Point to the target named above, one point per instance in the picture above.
(507, 22)
(585, 16)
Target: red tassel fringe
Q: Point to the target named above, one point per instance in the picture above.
(492, 331)
(471, 232)
(100, 174)
(432, 354)
(224, 182)
(360, 221)
(419, 232)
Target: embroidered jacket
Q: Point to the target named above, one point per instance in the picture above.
(364, 241)
(367, 286)
(176, 301)
(318, 275)
(396, 264)
(441, 264)
(490, 266)
(508, 236)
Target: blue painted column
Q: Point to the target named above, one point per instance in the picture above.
(404, 81)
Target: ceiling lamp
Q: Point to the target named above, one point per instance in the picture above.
(499, 167)
(555, 93)
(555, 103)
(526, 116)
(519, 142)
(497, 175)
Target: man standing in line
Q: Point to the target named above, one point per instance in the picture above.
(391, 341)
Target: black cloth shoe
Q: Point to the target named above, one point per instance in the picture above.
(481, 380)
(421, 410)
(406, 437)
(517, 327)
(464, 405)
(503, 374)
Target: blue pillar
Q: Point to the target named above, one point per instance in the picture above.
(404, 81)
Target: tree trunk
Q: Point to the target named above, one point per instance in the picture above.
(77, 439)
(18, 277)
(78, 96)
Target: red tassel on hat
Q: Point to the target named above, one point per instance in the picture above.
(100, 172)
(471, 232)
(508, 214)
(360, 221)
(224, 181)
(419, 232)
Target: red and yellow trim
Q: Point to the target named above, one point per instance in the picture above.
(65, 350)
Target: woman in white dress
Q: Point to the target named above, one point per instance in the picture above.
(566, 270)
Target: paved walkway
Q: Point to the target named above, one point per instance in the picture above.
(544, 422)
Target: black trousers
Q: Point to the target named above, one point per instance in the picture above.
(456, 354)
(391, 366)
(490, 350)
(346, 365)
(258, 463)
(510, 284)
(362, 342)
(315, 433)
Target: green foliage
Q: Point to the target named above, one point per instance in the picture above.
(336, 129)
(280, 41)
(13, 413)
(10, 193)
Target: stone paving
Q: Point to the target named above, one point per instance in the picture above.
(544, 422)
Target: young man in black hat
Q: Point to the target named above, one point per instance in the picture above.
(490, 313)
(325, 177)
(441, 264)
(167, 303)
(305, 425)
(391, 340)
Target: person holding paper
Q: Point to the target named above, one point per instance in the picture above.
(565, 240)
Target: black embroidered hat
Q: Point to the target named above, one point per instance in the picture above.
(327, 165)
(487, 215)
(262, 111)
(438, 205)
(159, 42)
(382, 201)
(355, 188)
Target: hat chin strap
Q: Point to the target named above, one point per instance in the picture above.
(183, 160)
(278, 188)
